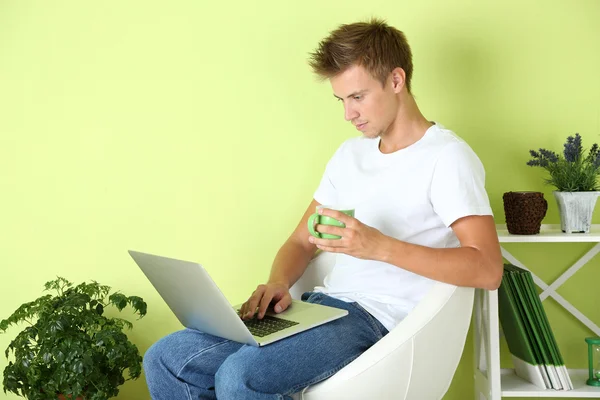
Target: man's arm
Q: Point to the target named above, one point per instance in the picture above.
(289, 265)
(477, 263)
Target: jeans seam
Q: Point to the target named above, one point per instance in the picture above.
(370, 318)
(321, 377)
(197, 354)
(189, 393)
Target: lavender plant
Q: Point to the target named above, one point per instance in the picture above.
(573, 170)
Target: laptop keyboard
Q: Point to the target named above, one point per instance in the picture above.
(267, 325)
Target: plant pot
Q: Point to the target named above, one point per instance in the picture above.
(62, 397)
(524, 212)
(576, 209)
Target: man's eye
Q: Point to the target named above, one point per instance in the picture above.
(357, 97)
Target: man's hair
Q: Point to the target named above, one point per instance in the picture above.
(374, 45)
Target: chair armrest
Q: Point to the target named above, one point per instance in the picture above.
(412, 347)
(434, 303)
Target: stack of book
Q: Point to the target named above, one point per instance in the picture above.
(534, 351)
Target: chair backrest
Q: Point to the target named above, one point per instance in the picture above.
(416, 360)
(440, 326)
(315, 273)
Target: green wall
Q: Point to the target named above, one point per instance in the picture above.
(195, 129)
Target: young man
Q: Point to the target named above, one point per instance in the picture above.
(422, 214)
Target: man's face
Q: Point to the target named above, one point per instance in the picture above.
(369, 106)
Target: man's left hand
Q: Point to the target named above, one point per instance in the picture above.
(357, 239)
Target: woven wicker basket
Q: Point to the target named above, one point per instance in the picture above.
(524, 212)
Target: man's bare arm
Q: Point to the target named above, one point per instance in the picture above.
(289, 265)
(477, 263)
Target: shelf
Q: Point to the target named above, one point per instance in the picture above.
(549, 233)
(494, 383)
(513, 386)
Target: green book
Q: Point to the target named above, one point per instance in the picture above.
(527, 296)
(526, 356)
(538, 329)
(550, 340)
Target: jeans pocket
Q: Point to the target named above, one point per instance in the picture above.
(377, 326)
(305, 296)
(312, 297)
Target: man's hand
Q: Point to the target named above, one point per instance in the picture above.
(357, 239)
(263, 296)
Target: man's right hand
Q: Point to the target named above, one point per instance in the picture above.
(264, 295)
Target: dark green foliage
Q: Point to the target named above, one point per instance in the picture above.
(69, 346)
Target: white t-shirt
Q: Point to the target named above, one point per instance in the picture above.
(413, 195)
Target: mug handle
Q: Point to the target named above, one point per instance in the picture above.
(311, 225)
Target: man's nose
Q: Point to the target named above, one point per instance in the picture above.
(350, 113)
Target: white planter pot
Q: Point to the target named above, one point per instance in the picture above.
(576, 209)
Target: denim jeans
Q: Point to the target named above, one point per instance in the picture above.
(193, 365)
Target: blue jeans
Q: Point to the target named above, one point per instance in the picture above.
(193, 365)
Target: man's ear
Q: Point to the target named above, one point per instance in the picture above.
(398, 79)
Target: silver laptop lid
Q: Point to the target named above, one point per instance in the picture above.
(193, 296)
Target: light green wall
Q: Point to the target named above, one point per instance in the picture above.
(195, 129)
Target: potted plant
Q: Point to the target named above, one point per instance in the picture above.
(574, 174)
(69, 347)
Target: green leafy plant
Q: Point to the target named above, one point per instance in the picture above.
(573, 170)
(69, 346)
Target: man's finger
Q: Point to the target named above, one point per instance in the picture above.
(328, 242)
(331, 249)
(244, 309)
(241, 310)
(340, 216)
(264, 303)
(330, 229)
(284, 303)
(252, 302)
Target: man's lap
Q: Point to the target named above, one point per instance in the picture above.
(285, 366)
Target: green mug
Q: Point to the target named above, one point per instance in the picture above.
(318, 219)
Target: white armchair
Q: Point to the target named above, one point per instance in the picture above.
(415, 361)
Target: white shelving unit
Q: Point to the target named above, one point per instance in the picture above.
(494, 383)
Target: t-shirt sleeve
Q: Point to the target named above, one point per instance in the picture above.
(326, 193)
(458, 185)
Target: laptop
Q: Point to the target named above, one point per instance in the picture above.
(198, 303)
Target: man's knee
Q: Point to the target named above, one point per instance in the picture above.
(229, 379)
(236, 376)
(161, 355)
(153, 358)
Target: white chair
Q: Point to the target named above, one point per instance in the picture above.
(415, 361)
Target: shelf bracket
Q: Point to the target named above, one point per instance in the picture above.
(550, 290)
